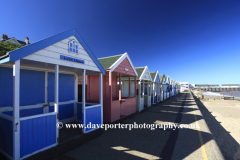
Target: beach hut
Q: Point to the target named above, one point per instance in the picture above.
(163, 87)
(155, 87)
(178, 87)
(173, 84)
(39, 88)
(119, 87)
(170, 88)
(175, 88)
(144, 81)
(167, 81)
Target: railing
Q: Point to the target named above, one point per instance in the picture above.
(91, 114)
(38, 116)
(37, 133)
(5, 116)
(39, 105)
(90, 105)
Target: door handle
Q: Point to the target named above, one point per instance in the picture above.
(16, 127)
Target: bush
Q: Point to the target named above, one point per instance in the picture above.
(7, 47)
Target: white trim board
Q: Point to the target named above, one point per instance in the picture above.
(167, 81)
(115, 65)
(157, 74)
(163, 79)
(146, 70)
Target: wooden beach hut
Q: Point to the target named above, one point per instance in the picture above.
(39, 88)
(119, 87)
(144, 81)
(167, 86)
(175, 88)
(155, 87)
(171, 88)
(162, 88)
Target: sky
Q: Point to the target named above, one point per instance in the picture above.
(189, 41)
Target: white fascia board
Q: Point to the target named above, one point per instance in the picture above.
(140, 78)
(167, 81)
(163, 79)
(155, 77)
(146, 69)
(125, 55)
(157, 74)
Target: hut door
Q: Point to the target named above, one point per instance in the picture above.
(123, 101)
(125, 89)
(132, 89)
(124, 108)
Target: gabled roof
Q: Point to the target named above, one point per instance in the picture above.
(19, 42)
(113, 61)
(161, 78)
(154, 76)
(34, 47)
(107, 62)
(166, 79)
(141, 71)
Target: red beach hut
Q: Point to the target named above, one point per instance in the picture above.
(119, 87)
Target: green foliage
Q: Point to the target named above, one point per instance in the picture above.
(7, 47)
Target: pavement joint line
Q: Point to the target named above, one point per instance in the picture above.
(200, 137)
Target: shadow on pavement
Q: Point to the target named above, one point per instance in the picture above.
(151, 144)
(227, 144)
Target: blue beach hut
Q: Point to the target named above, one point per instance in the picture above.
(167, 90)
(175, 87)
(39, 88)
(162, 87)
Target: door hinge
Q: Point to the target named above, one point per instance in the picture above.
(57, 116)
(58, 140)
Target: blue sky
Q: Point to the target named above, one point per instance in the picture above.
(191, 41)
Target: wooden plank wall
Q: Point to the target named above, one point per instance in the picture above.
(36, 134)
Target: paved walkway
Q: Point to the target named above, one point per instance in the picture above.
(155, 144)
(222, 118)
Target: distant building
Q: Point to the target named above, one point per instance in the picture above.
(206, 86)
(230, 86)
(184, 86)
(191, 85)
(5, 38)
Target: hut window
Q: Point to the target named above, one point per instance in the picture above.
(73, 46)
